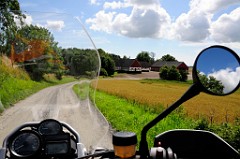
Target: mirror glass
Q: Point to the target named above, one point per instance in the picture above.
(218, 70)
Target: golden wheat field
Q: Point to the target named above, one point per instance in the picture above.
(215, 108)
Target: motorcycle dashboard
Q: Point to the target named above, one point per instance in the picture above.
(46, 138)
(49, 127)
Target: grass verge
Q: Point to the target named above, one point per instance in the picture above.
(131, 116)
(15, 89)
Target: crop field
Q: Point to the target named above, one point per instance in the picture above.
(156, 94)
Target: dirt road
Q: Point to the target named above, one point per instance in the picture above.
(60, 102)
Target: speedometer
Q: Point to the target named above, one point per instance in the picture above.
(49, 127)
(25, 144)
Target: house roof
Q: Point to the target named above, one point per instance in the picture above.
(126, 62)
(167, 63)
(145, 64)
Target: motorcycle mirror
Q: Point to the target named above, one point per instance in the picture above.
(217, 70)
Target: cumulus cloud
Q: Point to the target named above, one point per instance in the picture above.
(102, 21)
(114, 5)
(192, 26)
(211, 6)
(229, 78)
(148, 19)
(55, 25)
(143, 21)
(226, 27)
(196, 25)
(94, 2)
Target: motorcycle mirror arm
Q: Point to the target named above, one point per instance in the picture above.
(194, 90)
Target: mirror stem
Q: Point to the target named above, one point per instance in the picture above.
(191, 92)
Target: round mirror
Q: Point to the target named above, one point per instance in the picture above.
(217, 70)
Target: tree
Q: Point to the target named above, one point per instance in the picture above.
(172, 73)
(84, 63)
(152, 56)
(9, 10)
(125, 57)
(33, 44)
(211, 83)
(81, 62)
(184, 75)
(107, 62)
(168, 58)
(163, 72)
(144, 56)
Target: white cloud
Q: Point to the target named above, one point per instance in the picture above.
(114, 5)
(148, 19)
(230, 78)
(94, 2)
(192, 26)
(196, 25)
(226, 28)
(211, 6)
(143, 21)
(102, 21)
(55, 25)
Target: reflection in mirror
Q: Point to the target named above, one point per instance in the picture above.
(218, 70)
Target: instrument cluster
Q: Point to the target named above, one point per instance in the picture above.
(44, 139)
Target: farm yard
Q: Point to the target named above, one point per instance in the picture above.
(157, 94)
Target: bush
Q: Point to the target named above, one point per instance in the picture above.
(103, 72)
(172, 73)
(184, 75)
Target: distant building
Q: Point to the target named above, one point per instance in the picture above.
(158, 64)
(131, 65)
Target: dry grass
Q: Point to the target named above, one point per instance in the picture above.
(154, 94)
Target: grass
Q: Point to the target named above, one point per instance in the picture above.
(158, 94)
(125, 115)
(130, 116)
(15, 83)
(82, 90)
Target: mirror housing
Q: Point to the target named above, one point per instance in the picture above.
(217, 70)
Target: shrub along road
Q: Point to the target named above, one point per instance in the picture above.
(59, 102)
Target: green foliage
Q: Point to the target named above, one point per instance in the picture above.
(107, 62)
(131, 116)
(81, 62)
(82, 90)
(144, 56)
(184, 75)
(103, 72)
(8, 10)
(172, 73)
(168, 58)
(44, 51)
(211, 83)
(15, 84)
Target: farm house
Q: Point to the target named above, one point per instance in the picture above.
(179, 65)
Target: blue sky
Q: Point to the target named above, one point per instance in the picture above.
(127, 27)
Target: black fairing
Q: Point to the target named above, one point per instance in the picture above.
(196, 144)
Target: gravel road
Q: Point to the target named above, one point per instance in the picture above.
(60, 102)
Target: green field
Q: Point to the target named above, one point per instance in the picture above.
(125, 115)
(158, 94)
